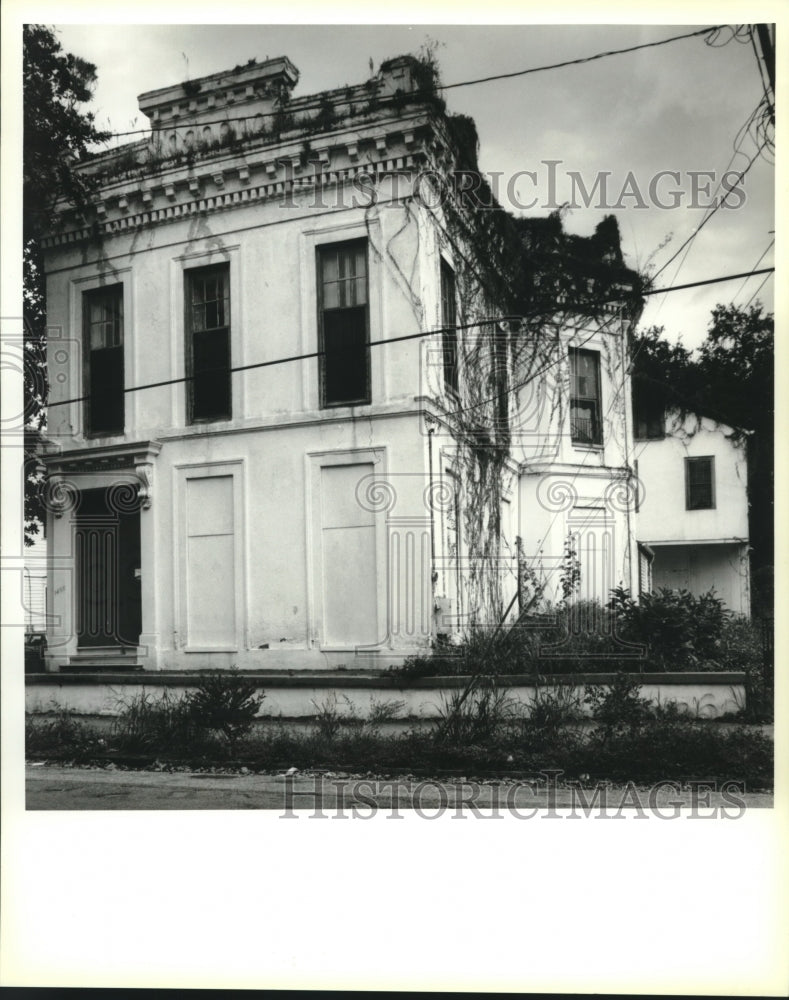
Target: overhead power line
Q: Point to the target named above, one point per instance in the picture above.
(742, 133)
(758, 262)
(708, 281)
(707, 218)
(763, 283)
(441, 86)
(308, 356)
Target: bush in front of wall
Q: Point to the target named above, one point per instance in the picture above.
(226, 702)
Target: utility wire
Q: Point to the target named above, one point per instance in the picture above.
(738, 140)
(441, 86)
(390, 340)
(578, 62)
(707, 218)
(764, 282)
(758, 262)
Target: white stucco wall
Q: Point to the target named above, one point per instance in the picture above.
(707, 699)
(568, 489)
(278, 440)
(662, 515)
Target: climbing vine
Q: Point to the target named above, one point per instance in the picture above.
(522, 285)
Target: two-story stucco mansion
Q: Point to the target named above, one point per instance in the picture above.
(257, 363)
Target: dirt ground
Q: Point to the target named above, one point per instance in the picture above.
(51, 787)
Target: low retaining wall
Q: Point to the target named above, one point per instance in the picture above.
(703, 695)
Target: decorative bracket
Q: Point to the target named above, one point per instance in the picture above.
(61, 495)
(144, 473)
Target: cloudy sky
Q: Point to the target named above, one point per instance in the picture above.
(678, 107)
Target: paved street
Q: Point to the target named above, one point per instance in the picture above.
(70, 788)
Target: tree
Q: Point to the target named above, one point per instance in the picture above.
(730, 380)
(57, 132)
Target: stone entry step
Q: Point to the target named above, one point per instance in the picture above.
(100, 658)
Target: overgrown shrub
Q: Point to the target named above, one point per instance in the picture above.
(681, 631)
(618, 706)
(225, 702)
(665, 631)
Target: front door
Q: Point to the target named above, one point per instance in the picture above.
(109, 611)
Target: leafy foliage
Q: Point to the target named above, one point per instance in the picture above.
(666, 631)
(618, 706)
(57, 132)
(681, 631)
(226, 702)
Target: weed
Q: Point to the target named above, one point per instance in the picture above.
(61, 731)
(474, 714)
(553, 707)
(225, 702)
(618, 706)
(145, 723)
(328, 718)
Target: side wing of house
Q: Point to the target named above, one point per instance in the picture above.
(693, 508)
(574, 443)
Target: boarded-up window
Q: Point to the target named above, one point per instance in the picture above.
(700, 483)
(350, 592)
(103, 360)
(343, 323)
(210, 562)
(208, 343)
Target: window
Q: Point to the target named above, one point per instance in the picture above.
(102, 311)
(449, 334)
(343, 324)
(585, 409)
(648, 412)
(700, 483)
(207, 296)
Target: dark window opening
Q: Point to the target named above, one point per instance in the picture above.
(449, 336)
(648, 412)
(208, 343)
(585, 407)
(344, 324)
(700, 483)
(103, 360)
